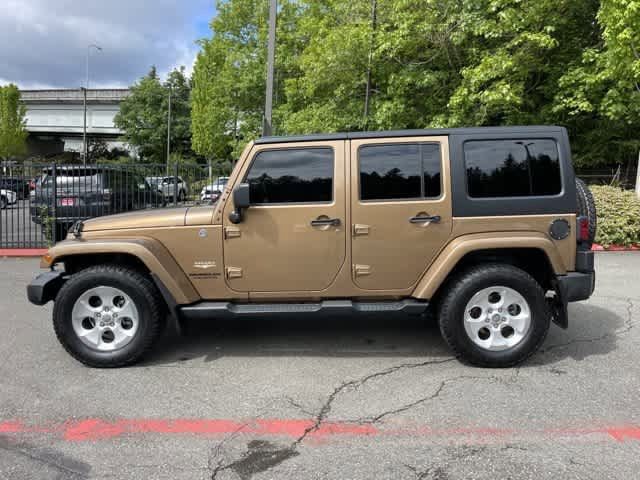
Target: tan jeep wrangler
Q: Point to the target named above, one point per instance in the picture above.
(486, 227)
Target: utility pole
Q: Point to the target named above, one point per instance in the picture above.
(367, 93)
(169, 132)
(267, 126)
(86, 88)
(84, 128)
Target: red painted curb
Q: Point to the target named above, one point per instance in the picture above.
(22, 252)
(615, 248)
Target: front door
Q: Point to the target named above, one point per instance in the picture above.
(292, 237)
(401, 209)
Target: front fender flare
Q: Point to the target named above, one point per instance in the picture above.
(455, 250)
(149, 251)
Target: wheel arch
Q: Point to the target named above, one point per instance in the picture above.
(143, 254)
(533, 252)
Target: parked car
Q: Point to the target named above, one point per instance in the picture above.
(211, 193)
(17, 185)
(85, 192)
(170, 187)
(7, 197)
(487, 228)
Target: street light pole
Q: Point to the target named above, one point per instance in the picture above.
(267, 126)
(529, 158)
(169, 132)
(86, 89)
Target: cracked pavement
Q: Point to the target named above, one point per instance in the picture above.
(347, 398)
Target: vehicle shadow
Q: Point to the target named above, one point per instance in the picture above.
(336, 336)
(592, 331)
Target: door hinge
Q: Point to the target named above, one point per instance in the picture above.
(361, 270)
(233, 272)
(359, 229)
(231, 232)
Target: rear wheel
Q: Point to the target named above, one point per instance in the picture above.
(108, 316)
(3, 203)
(494, 315)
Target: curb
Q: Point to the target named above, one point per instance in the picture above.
(22, 252)
(615, 248)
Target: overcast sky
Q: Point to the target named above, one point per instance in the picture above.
(43, 43)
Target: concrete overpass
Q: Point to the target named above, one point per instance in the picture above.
(55, 118)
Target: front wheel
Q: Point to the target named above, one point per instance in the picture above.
(3, 203)
(108, 316)
(494, 315)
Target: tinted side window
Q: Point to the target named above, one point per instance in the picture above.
(512, 168)
(296, 175)
(398, 171)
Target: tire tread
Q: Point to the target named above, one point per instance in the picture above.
(587, 208)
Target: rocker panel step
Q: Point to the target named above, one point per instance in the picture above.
(205, 310)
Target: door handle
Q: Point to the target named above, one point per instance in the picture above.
(425, 219)
(320, 222)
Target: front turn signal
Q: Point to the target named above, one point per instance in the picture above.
(46, 260)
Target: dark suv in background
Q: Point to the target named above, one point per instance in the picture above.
(85, 192)
(15, 184)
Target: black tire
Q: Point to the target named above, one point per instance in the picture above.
(139, 288)
(460, 291)
(182, 196)
(3, 203)
(587, 208)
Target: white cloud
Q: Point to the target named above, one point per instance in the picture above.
(43, 43)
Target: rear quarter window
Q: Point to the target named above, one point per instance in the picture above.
(512, 168)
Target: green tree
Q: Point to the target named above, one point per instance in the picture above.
(230, 71)
(228, 79)
(143, 115)
(600, 95)
(13, 134)
(393, 64)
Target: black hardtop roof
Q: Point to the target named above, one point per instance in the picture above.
(537, 129)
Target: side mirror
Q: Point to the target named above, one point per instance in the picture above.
(241, 201)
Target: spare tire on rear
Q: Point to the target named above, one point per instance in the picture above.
(587, 208)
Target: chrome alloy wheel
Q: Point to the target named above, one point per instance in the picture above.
(105, 318)
(497, 318)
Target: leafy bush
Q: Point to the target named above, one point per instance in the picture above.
(618, 216)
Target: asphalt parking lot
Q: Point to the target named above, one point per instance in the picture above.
(341, 398)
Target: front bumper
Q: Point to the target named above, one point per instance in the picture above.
(45, 287)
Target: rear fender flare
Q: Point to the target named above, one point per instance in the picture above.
(455, 250)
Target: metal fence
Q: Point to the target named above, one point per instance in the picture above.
(624, 177)
(40, 202)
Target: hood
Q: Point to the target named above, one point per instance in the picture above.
(165, 217)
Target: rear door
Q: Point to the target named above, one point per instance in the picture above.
(401, 209)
